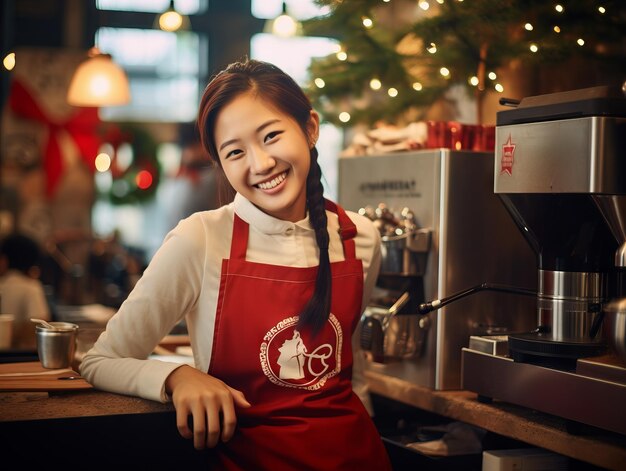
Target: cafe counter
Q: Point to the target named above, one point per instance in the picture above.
(102, 430)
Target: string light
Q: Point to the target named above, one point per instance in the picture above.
(445, 72)
(424, 5)
(473, 81)
(557, 29)
(342, 56)
(534, 48)
(319, 82)
(440, 2)
(580, 41)
(392, 92)
(492, 75)
(375, 84)
(432, 48)
(528, 27)
(367, 22)
(417, 86)
(602, 10)
(344, 116)
(499, 88)
(102, 162)
(559, 8)
(9, 61)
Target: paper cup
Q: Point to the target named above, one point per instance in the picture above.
(6, 330)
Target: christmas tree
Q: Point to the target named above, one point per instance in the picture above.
(397, 57)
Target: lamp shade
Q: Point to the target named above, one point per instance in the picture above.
(98, 81)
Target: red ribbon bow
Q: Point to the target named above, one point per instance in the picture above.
(81, 126)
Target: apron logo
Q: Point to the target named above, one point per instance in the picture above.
(289, 360)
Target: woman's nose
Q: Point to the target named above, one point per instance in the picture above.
(260, 161)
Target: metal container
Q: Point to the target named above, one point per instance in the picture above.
(405, 254)
(614, 327)
(56, 347)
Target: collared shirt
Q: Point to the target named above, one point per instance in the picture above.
(182, 282)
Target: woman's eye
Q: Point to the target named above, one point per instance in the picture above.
(272, 135)
(233, 153)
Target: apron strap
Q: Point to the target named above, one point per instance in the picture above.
(239, 244)
(347, 232)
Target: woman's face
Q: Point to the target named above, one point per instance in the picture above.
(266, 155)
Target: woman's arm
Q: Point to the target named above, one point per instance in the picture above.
(167, 290)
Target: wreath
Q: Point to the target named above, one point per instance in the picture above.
(134, 167)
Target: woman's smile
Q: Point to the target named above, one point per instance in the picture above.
(272, 184)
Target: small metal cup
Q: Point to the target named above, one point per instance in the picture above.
(56, 347)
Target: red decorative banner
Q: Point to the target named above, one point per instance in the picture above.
(81, 126)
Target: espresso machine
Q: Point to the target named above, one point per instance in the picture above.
(560, 170)
(462, 237)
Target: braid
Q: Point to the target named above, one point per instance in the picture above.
(317, 310)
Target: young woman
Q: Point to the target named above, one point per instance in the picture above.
(271, 286)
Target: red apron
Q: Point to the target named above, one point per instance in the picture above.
(304, 414)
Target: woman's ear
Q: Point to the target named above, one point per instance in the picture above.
(313, 128)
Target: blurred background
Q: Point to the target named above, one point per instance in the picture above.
(99, 180)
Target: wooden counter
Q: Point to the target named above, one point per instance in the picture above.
(101, 428)
(604, 449)
(93, 430)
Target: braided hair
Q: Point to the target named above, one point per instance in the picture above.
(272, 84)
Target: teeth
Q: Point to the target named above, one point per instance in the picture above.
(272, 183)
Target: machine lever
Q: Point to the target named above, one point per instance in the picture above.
(425, 308)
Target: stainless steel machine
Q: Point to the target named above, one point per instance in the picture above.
(560, 169)
(463, 237)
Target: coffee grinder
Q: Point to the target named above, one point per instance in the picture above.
(560, 169)
(561, 173)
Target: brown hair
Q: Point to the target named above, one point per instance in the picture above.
(272, 84)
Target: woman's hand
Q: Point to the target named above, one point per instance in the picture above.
(205, 398)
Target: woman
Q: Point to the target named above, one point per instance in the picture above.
(271, 286)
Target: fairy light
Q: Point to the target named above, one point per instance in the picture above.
(319, 82)
(445, 72)
(9, 61)
(499, 88)
(534, 48)
(580, 41)
(557, 29)
(424, 5)
(440, 2)
(344, 116)
(602, 10)
(375, 84)
(474, 81)
(432, 48)
(102, 162)
(367, 22)
(417, 86)
(342, 56)
(392, 92)
(558, 7)
(492, 76)
(528, 27)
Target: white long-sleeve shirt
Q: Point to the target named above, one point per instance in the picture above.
(182, 281)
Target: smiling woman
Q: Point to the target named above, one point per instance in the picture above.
(271, 286)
